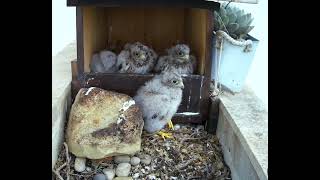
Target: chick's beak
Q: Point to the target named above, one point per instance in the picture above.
(181, 85)
(186, 56)
(142, 57)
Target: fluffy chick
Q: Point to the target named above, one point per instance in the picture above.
(104, 62)
(136, 58)
(179, 58)
(159, 99)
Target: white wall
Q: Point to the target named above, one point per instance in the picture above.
(258, 75)
(64, 31)
(63, 25)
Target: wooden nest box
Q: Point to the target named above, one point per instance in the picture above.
(160, 24)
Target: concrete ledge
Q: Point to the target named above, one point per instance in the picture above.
(61, 95)
(243, 133)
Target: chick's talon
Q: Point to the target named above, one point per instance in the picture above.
(170, 124)
(165, 135)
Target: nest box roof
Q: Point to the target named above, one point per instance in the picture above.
(202, 4)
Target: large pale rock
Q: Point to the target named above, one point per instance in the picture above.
(104, 123)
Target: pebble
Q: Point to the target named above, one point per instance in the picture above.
(145, 159)
(136, 175)
(176, 126)
(123, 169)
(135, 161)
(200, 127)
(88, 169)
(122, 159)
(99, 177)
(123, 178)
(143, 171)
(110, 173)
(151, 177)
(147, 168)
(80, 164)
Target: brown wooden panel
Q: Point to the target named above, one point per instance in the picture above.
(127, 25)
(95, 32)
(204, 104)
(195, 35)
(164, 27)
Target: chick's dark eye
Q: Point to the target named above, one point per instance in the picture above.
(136, 54)
(174, 82)
(180, 53)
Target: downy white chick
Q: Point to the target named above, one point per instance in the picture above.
(104, 62)
(159, 100)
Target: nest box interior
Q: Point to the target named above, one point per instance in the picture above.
(104, 26)
(159, 28)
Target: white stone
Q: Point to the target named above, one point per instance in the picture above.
(122, 178)
(136, 175)
(123, 169)
(80, 164)
(110, 173)
(134, 161)
(145, 159)
(99, 177)
(122, 159)
(176, 126)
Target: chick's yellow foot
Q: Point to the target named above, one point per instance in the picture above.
(165, 135)
(170, 124)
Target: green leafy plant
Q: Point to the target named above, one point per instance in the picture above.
(233, 21)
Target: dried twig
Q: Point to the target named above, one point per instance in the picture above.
(68, 160)
(183, 165)
(57, 172)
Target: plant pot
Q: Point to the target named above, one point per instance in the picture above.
(234, 64)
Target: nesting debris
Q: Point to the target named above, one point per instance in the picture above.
(192, 154)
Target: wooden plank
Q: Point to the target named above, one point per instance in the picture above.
(164, 27)
(196, 35)
(204, 104)
(74, 69)
(95, 32)
(80, 46)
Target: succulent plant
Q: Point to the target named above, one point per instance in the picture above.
(233, 21)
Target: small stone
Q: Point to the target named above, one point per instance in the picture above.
(80, 164)
(122, 178)
(123, 169)
(143, 171)
(151, 177)
(176, 126)
(136, 175)
(147, 168)
(200, 127)
(135, 161)
(121, 159)
(88, 169)
(145, 159)
(110, 173)
(99, 177)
